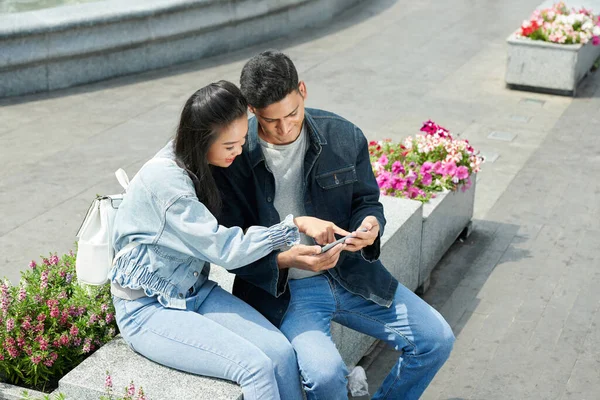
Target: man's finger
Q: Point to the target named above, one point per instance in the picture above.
(330, 234)
(340, 231)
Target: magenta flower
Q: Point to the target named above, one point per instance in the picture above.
(383, 160)
(426, 167)
(426, 179)
(383, 180)
(462, 172)
(398, 183)
(398, 168)
(412, 192)
(437, 168)
(596, 40)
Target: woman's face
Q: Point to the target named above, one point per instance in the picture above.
(229, 143)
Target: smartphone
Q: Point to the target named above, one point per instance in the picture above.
(341, 240)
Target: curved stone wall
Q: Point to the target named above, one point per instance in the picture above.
(65, 46)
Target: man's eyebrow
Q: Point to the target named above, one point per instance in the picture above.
(271, 119)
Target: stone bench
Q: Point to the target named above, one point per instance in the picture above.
(401, 249)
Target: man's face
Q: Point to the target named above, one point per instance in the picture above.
(281, 122)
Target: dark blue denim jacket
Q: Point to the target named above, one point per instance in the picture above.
(339, 187)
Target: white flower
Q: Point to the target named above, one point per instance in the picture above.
(588, 25)
(596, 30)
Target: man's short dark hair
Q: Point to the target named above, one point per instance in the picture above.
(268, 78)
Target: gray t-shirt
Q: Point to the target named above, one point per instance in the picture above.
(287, 164)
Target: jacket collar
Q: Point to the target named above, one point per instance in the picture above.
(254, 151)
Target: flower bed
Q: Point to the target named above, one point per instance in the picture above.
(553, 50)
(424, 165)
(563, 25)
(49, 323)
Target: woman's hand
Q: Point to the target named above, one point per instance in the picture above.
(320, 230)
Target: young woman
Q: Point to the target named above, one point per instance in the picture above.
(167, 309)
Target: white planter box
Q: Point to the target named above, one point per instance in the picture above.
(444, 218)
(13, 392)
(544, 66)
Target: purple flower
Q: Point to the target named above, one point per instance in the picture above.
(411, 177)
(426, 167)
(462, 172)
(426, 179)
(398, 168)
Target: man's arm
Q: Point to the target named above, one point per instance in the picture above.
(367, 211)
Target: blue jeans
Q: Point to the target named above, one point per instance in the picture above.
(410, 325)
(219, 336)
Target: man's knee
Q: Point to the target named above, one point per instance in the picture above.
(327, 381)
(282, 352)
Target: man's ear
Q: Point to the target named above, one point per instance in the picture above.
(251, 109)
(302, 89)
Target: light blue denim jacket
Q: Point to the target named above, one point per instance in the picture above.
(179, 237)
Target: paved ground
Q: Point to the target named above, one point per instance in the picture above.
(521, 293)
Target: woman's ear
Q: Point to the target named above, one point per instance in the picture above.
(251, 109)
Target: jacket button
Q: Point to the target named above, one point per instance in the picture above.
(269, 199)
(196, 274)
(181, 295)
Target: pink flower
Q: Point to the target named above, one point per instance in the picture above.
(449, 169)
(462, 172)
(437, 168)
(131, 389)
(54, 260)
(48, 363)
(596, 40)
(141, 394)
(10, 324)
(22, 294)
(108, 382)
(398, 168)
(41, 317)
(426, 179)
(383, 160)
(74, 330)
(32, 264)
(109, 318)
(54, 312)
(36, 359)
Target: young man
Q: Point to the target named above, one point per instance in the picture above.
(311, 162)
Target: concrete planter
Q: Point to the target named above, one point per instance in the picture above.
(548, 67)
(444, 219)
(12, 392)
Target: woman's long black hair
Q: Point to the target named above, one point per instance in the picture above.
(204, 115)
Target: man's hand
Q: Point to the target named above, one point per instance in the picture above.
(360, 240)
(309, 258)
(320, 230)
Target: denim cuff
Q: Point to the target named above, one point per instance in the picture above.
(284, 233)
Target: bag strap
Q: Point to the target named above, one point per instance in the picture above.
(128, 247)
(122, 178)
